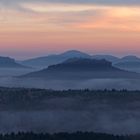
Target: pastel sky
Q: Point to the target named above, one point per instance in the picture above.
(31, 28)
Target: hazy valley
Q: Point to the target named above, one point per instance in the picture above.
(32, 107)
(114, 112)
(69, 70)
(73, 70)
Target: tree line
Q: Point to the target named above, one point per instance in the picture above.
(66, 136)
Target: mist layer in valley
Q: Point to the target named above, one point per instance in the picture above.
(10, 72)
(92, 74)
(69, 111)
(130, 84)
(39, 110)
(105, 120)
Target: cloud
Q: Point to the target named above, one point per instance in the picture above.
(99, 2)
(49, 7)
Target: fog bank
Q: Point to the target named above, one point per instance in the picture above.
(130, 84)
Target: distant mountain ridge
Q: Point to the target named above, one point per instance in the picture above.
(110, 58)
(54, 59)
(7, 62)
(130, 58)
(130, 62)
(82, 68)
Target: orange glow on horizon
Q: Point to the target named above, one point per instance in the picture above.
(66, 26)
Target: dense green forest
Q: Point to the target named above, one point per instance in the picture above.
(66, 136)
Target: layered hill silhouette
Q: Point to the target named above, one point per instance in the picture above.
(59, 58)
(110, 58)
(129, 63)
(54, 59)
(7, 62)
(82, 68)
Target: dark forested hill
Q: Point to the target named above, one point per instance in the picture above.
(79, 68)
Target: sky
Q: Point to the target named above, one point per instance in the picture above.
(30, 28)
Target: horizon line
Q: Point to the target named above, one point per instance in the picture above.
(65, 51)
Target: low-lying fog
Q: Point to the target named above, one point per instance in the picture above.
(101, 119)
(69, 114)
(130, 84)
(8, 78)
(106, 121)
(8, 72)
